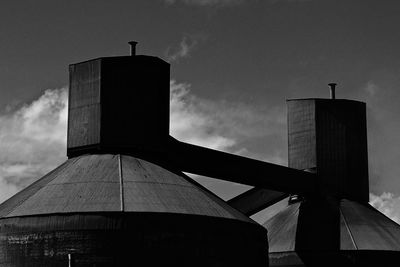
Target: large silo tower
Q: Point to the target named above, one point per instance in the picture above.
(119, 200)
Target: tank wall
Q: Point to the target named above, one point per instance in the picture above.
(137, 239)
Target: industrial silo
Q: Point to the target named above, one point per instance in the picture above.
(335, 225)
(118, 200)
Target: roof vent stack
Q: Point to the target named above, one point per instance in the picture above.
(133, 47)
(333, 87)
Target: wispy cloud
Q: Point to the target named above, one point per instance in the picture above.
(206, 2)
(371, 89)
(33, 137)
(184, 48)
(191, 122)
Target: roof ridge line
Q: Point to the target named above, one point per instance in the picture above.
(348, 228)
(121, 183)
(62, 166)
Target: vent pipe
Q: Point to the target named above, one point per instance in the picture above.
(332, 86)
(133, 47)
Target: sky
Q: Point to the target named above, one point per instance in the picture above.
(233, 65)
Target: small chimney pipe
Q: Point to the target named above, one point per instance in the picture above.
(133, 47)
(332, 86)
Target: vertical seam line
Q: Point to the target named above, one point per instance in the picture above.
(121, 183)
(348, 229)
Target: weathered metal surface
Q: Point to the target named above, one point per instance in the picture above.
(84, 104)
(331, 136)
(166, 219)
(367, 228)
(342, 148)
(118, 103)
(282, 229)
(237, 169)
(301, 134)
(312, 224)
(308, 232)
(255, 200)
(92, 183)
(125, 239)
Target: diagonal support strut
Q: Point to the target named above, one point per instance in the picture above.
(220, 165)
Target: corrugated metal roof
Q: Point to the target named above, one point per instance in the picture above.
(367, 228)
(302, 227)
(282, 229)
(115, 183)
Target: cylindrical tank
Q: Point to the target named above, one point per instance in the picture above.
(118, 210)
(117, 201)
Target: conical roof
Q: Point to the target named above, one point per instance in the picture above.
(355, 226)
(115, 183)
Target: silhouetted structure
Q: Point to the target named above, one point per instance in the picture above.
(121, 198)
(335, 226)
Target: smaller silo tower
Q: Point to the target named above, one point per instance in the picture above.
(335, 226)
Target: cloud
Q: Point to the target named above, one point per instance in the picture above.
(220, 124)
(206, 2)
(380, 92)
(193, 123)
(388, 204)
(32, 141)
(33, 137)
(371, 89)
(185, 47)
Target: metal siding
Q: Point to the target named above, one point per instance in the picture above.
(119, 103)
(148, 187)
(84, 126)
(135, 103)
(114, 239)
(13, 202)
(141, 171)
(84, 100)
(282, 229)
(301, 134)
(342, 148)
(331, 136)
(345, 232)
(331, 147)
(92, 183)
(370, 229)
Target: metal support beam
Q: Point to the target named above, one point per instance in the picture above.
(255, 200)
(237, 169)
